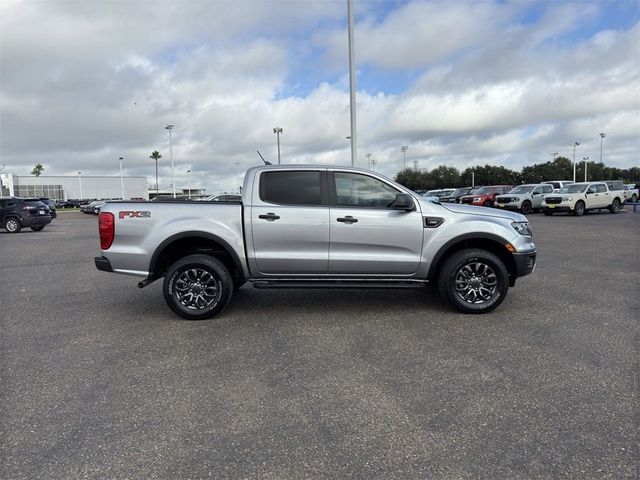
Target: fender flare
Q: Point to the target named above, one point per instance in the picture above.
(198, 234)
(459, 239)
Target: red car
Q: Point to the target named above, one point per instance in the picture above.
(485, 196)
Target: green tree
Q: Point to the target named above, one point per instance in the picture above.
(155, 155)
(37, 170)
(492, 175)
(559, 168)
(443, 177)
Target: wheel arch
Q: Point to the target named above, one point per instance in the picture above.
(193, 242)
(484, 241)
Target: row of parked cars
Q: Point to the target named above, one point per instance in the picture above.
(17, 213)
(547, 197)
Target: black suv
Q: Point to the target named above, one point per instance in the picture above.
(16, 213)
(52, 206)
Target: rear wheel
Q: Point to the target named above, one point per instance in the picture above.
(578, 210)
(37, 228)
(526, 207)
(615, 206)
(197, 287)
(473, 281)
(12, 225)
(488, 204)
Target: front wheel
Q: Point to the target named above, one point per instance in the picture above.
(615, 206)
(526, 208)
(473, 281)
(197, 287)
(634, 197)
(578, 210)
(12, 225)
(488, 204)
(37, 228)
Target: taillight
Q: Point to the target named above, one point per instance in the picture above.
(106, 228)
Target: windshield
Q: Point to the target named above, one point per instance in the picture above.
(431, 193)
(459, 192)
(563, 189)
(482, 191)
(576, 188)
(523, 189)
(444, 193)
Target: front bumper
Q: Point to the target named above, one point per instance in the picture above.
(557, 207)
(507, 206)
(525, 262)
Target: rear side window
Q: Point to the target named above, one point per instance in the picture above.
(600, 188)
(34, 203)
(291, 188)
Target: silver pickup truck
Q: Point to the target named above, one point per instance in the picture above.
(316, 227)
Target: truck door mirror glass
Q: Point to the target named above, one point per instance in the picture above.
(590, 191)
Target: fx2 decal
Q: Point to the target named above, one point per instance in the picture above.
(134, 214)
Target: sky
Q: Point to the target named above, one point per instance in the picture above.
(460, 83)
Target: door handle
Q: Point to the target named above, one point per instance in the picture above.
(348, 219)
(269, 216)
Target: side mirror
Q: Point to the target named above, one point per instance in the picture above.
(403, 201)
(536, 193)
(590, 191)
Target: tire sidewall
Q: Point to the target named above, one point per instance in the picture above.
(204, 262)
(615, 206)
(455, 263)
(526, 207)
(579, 209)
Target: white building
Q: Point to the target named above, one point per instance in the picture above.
(77, 187)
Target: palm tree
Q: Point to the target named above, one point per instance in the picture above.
(37, 170)
(156, 155)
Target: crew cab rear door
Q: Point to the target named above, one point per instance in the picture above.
(368, 237)
(290, 223)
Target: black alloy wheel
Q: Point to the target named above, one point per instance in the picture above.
(473, 281)
(526, 207)
(578, 210)
(197, 287)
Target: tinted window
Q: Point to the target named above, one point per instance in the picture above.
(357, 190)
(547, 189)
(600, 188)
(291, 188)
(577, 188)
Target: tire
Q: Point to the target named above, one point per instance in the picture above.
(473, 281)
(197, 287)
(615, 206)
(38, 228)
(634, 198)
(12, 225)
(526, 209)
(487, 204)
(578, 209)
(548, 212)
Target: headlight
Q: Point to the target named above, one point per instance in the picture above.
(523, 228)
(567, 199)
(476, 199)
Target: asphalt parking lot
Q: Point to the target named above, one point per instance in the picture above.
(101, 380)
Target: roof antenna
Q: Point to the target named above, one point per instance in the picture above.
(265, 162)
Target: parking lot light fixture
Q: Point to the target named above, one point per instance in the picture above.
(586, 159)
(602, 137)
(575, 144)
(80, 182)
(170, 127)
(278, 131)
(121, 177)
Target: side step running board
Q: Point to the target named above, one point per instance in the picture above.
(337, 284)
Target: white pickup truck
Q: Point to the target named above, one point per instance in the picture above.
(631, 192)
(579, 198)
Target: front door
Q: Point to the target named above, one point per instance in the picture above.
(368, 237)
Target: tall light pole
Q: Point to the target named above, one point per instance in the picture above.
(80, 182)
(373, 164)
(352, 83)
(368, 155)
(586, 159)
(173, 178)
(238, 177)
(473, 179)
(602, 137)
(121, 178)
(415, 164)
(404, 149)
(278, 131)
(575, 144)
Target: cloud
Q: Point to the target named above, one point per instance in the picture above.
(82, 83)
